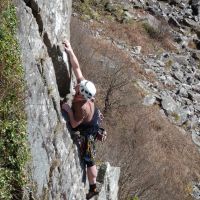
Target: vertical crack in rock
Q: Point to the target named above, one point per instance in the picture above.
(54, 164)
(41, 71)
(56, 108)
(36, 13)
(63, 77)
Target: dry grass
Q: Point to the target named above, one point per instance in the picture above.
(157, 161)
(137, 34)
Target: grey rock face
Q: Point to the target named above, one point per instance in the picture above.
(192, 23)
(196, 190)
(108, 177)
(195, 4)
(55, 167)
(196, 138)
(149, 100)
(169, 104)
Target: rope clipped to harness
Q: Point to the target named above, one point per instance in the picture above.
(89, 133)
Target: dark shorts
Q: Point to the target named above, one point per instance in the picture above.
(86, 144)
(89, 163)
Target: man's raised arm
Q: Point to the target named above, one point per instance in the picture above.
(74, 61)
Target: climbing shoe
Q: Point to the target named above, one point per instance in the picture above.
(91, 194)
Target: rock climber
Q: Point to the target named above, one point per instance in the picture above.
(84, 116)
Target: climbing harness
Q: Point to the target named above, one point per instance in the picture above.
(89, 133)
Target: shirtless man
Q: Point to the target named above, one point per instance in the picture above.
(82, 114)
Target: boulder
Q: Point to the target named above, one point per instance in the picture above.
(108, 178)
(168, 104)
(149, 100)
(196, 191)
(196, 138)
(191, 23)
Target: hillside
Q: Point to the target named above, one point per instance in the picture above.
(144, 57)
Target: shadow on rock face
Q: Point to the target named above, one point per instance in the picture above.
(62, 70)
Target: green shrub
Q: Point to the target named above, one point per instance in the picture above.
(134, 198)
(168, 65)
(88, 8)
(176, 116)
(94, 9)
(13, 147)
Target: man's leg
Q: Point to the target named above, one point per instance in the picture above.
(91, 168)
(92, 175)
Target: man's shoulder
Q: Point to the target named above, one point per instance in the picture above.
(88, 105)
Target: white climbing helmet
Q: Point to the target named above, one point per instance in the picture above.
(87, 89)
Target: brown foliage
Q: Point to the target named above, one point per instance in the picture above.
(157, 161)
(155, 158)
(138, 33)
(105, 65)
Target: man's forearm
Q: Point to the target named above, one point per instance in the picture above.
(73, 59)
(75, 65)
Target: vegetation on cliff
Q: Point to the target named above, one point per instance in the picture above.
(13, 147)
(157, 161)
